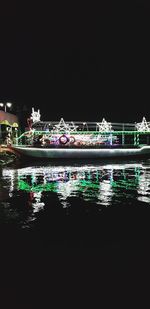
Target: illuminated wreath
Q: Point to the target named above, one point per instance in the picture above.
(72, 140)
(63, 139)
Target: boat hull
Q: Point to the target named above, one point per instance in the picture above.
(71, 153)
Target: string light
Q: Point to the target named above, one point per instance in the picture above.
(104, 126)
(63, 127)
(143, 126)
(35, 116)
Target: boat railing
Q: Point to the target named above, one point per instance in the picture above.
(123, 133)
(83, 126)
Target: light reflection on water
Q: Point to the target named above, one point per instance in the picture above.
(102, 184)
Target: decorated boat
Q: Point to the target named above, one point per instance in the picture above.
(83, 140)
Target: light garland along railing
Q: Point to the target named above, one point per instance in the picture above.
(84, 133)
(135, 135)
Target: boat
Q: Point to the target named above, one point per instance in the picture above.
(83, 140)
(80, 153)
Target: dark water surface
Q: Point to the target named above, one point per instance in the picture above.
(78, 203)
(61, 217)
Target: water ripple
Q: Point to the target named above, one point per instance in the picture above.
(35, 187)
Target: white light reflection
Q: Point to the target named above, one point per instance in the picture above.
(105, 193)
(92, 182)
(143, 189)
(66, 189)
(37, 205)
(10, 178)
(52, 170)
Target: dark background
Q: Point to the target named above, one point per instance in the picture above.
(81, 62)
(77, 61)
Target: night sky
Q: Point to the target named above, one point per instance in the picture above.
(76, 61)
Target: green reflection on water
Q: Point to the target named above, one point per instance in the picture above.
(23, 185)
(125, 179)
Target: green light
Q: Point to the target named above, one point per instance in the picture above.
(22, 185)
(88, 184)
(124, 184)
(135, 133)
(91, 184)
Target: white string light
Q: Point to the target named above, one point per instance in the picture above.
(35, 116)
(143, 126)
(62, 126)
(104, 126)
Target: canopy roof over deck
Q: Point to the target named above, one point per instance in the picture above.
(9, 119)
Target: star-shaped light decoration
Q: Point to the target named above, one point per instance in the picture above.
(143, 126)
(64, 127)
(104, 126)
(72, 127)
